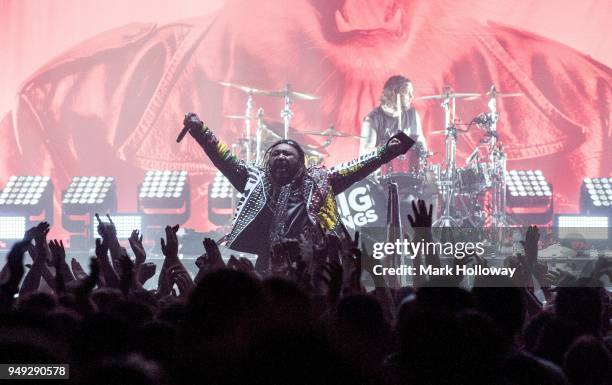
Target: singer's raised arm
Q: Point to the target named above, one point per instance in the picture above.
(234, 169)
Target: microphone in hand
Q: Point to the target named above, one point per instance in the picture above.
(191, 121)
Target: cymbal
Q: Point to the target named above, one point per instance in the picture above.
(275, 131)
(438, 132)
(312, 150)
(246, 89)
(333, 133)
(455, 95)
(287, 91)
(497, 95)
(238, 117)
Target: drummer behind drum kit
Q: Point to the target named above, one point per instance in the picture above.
(459, 188)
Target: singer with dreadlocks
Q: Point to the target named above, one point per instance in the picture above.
(282, 198)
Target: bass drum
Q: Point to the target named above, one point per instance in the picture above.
(364, 204)
(408, 171)
(474, 178)
(410, 163)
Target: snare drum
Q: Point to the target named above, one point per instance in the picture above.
(408, 171)
(410, 163)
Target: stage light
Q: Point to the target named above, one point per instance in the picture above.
(24, 192)
(164, 196)
(582, 227)
(222, 197)
(163, 189)
(89, 194)
(28, 196)
(124, 224)
(221, 187)
(12, 227)
(529, 196)
(85, 196)
(596, 196)
(527, 184)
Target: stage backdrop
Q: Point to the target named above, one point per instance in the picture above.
(100, 88)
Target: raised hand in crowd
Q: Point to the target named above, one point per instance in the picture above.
(530, 245)
(108, 232)
(142, 272)
(39, 234)
(170, 245)
(137, 248)
(527, 266)
(331, 276)
(211, 260)
(421, 219)
(287, 261)
(63, 275)
(126, 275)
(85, 286)
(77, 270)
(180, 276)
(214, 260)
(242, 264)
(108, 272)
(421, 222)
(146, 271)
(13, 273)
(38, 269)
(352, 266)
(171, 263)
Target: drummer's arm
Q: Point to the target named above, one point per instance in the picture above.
(234, 169)
(344, 175)
(420, 138)
(367, 143)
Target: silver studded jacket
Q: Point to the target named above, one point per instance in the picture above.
(320, 187)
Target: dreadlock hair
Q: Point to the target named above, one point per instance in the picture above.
(394, 85)
(292, 143)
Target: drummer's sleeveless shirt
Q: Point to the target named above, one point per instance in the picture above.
(385, 125)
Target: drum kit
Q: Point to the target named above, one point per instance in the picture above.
(459, 191)
(268, 132)
(462, 189)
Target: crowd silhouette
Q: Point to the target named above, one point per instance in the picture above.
(306, 322)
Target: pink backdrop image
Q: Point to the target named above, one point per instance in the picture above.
(101, 88)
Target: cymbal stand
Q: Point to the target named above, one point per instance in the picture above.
(330, 138)
(447, 180)
(258, 131)
(498, 164)
(286, 113)
(247, 124)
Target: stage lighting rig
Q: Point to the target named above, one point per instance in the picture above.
(596, 196)
(588, 228)
(124, 224)
(85, 196)
(222, 197)
(164, 197)
(529, 196)
(24, 199)
(12, 227)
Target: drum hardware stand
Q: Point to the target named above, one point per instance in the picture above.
(447, 181)
(394, 233)
(500, 220)
(330, 138)
(247, 124)
(498, 164)
(286, 112)
(258, 131)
